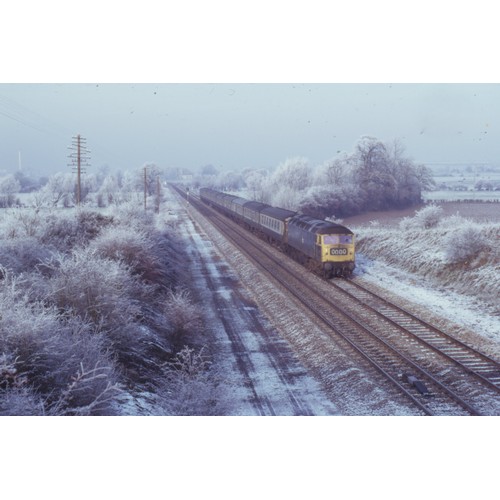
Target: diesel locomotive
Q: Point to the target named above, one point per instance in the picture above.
(322, 246)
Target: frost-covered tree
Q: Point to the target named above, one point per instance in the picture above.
(334, 172)
(109, 190)
(9, 186)
(59, 188)
(255, 183)
(288, 183)
(293, 173)
(330, 201)
(386, 177)
(209, 170)
(374, 175)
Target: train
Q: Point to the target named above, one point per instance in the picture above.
(322, 246)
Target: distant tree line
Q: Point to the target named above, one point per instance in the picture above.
(376, 176)
(100, 189)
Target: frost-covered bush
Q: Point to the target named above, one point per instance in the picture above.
(20, 223)
(323, 201)
(59, 229)
(104, 293)
(133, 215)
(464, 243)
(182, 313)
(43, 355)
(20, 402)
(193, 386)
(87, 306)
(453, 221)
(67, 230)
(94, 288)
(425, 218)
(145, 253)
(91, 223)
(22, 254)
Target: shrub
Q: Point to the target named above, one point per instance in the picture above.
(60, 230)
(424, 218)
(94, 288)
(146, 255)
(192, 386)
(182, 313)
(105, 294)
(20, 402)
(23, 254)
(43, 355)
(132, 214)
(90, 224)
(428, 216)
(464, 243)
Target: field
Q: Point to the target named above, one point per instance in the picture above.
(465, 182)
(475, 211)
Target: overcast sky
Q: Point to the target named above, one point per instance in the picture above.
(241, 125)
(235, 126)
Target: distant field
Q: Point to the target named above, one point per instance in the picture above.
(465, 182)
(447, 195)
(478, 212)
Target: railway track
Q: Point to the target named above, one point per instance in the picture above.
(469, 359)
(433, 371)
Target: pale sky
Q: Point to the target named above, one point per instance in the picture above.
(236, 126)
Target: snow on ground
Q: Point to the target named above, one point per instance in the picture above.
(460, 309)
(262, 373)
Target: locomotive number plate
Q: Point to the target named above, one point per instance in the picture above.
(338, 251)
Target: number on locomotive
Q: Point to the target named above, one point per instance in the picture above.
(338, 251)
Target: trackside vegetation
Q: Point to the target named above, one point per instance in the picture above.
(452, 252)
(94, 312)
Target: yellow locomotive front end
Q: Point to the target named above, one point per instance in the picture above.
(337, 253)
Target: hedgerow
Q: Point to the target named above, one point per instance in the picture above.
(92, 305)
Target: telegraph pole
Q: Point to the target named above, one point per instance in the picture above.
(78, 160)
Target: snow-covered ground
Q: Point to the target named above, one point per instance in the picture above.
(443, 260)
(463, 310)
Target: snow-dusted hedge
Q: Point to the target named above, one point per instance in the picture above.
(91, 302)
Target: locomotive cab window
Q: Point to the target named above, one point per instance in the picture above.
(337, 239)
(345, 239)
(331, 239)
